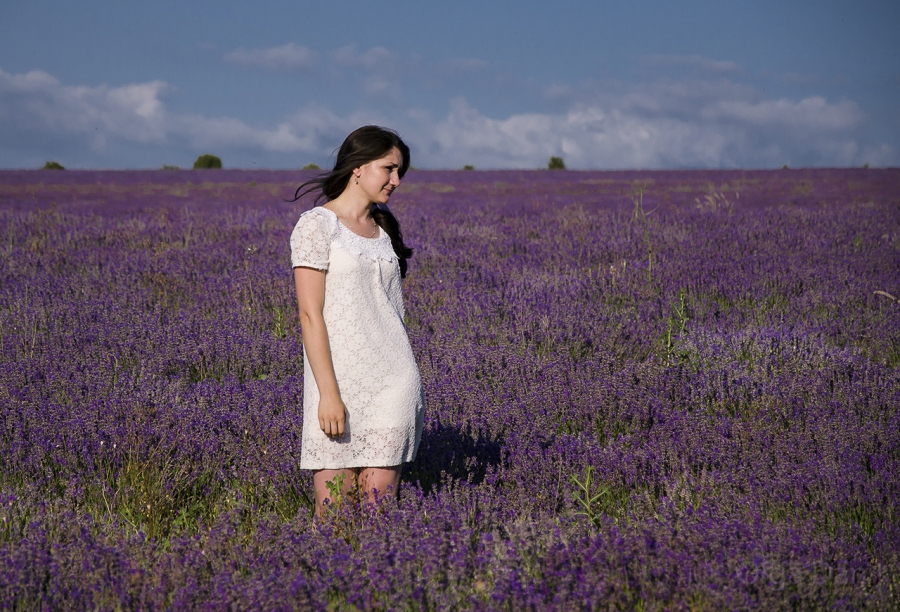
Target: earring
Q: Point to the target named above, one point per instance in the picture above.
(356, 180)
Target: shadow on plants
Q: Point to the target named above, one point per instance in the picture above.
(449, 453)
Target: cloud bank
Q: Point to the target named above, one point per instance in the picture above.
(707, 121)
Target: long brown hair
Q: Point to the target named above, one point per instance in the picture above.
(363, 145)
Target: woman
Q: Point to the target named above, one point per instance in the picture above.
(362, 399)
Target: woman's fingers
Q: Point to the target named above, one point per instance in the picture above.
(332, 426)
(332, 416)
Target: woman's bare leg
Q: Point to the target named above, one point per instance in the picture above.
(321, 478)
(376, 482)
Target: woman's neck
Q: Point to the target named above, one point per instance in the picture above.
(347, 206)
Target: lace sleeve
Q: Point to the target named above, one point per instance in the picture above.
(311, 241)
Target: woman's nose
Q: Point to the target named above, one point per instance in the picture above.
(395, 179)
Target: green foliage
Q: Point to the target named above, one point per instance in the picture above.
(468, 167)
(676, 324)
(154, 495)
(556, 163)
(588, 501)
(279, 329)
(311, 166)
(168, 167)
(206, 161)
(336, 488)
(52, 165)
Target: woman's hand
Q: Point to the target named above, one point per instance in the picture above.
(332, 415)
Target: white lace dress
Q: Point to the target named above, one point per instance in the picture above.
(374, 365)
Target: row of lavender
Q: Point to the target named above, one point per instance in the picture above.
(674, 390)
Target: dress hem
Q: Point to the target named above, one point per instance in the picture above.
(357, 467)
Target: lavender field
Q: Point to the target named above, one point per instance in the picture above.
(645, 391)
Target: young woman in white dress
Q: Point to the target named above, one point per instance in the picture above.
(362, 400)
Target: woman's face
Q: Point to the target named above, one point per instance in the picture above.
(380, 177)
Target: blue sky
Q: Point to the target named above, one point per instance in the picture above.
(605, 85)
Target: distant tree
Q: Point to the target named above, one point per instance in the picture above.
(207, 161)
(52, 165)
(866, 165)
(168, 167)
(311, 166)
(468, 167)
(784, 167)
(556, 163)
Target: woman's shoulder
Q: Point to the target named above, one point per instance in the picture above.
(319, 213)
(318, 217)
(315, 224)
(312, 238)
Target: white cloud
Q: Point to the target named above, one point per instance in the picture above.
(813, 112)
(656, 125)
(312, 130)
(289, 57)
(40, 115)
(40, 101)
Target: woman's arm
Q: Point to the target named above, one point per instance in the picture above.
(310, 285)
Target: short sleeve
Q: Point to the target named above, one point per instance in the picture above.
(311, 240)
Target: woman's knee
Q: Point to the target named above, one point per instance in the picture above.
(376, 482)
